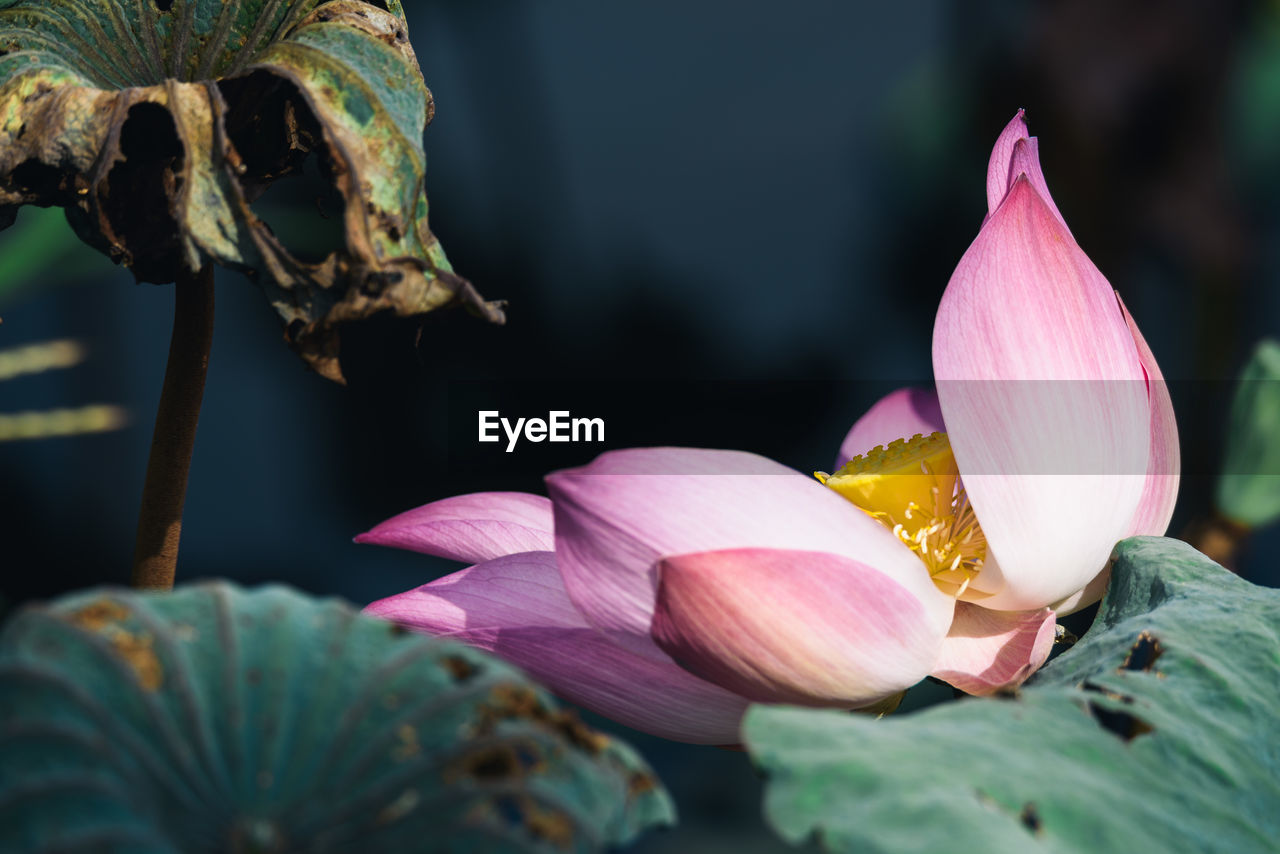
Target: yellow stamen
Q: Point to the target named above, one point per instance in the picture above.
(912, 487)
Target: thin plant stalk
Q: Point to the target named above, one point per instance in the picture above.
(155, 554)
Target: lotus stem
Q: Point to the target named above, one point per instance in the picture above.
(155, 555)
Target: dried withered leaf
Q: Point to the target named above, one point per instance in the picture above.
(156, 123)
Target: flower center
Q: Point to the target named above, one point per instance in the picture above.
(912, 487)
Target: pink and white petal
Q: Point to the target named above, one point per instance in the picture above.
(516, 608)
(988, 650)
(899, 414)
(616, 517)
(1165, 465)
(1026, 161)
(1082, 599)
(780, 626)
(1045, 401)
(470, 528)
(998, 181)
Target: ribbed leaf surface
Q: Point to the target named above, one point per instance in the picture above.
(1156, 732)
(214, 719)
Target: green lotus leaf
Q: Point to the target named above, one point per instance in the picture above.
(215, 719)
(1248, 491)
(157, 124)
(1156, 732)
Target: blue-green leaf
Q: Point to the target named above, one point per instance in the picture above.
(1156, 732)
(1249, 487)
(215, 719)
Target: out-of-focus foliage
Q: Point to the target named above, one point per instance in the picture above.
(217, 719)
(40, 357)
(39, 251)
(68, 421)
(1248, 490)
(64, 421)
(1255, 102)
(1156, 732)
(157, 125)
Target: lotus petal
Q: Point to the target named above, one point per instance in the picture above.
(1001, 156)
(988, 650)
(785, 626)
(1026, 161)
(617, 517)
(516, 608)
(899, 414)
(1084, 597)
(1045, 402)
(1165, 465)
(470, 528)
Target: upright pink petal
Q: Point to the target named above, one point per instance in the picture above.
(1160, 492)
(801, 627)
(1165, 466)
(470, 528)
(998, 181)
(1026, 161)
(516, 608)
(1045, 402)
(617, 517)
(1016, 154)
(899, 414)
(988, 650)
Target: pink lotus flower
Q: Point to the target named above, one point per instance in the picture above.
(667, 588)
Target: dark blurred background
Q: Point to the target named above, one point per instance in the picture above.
(724, 229)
